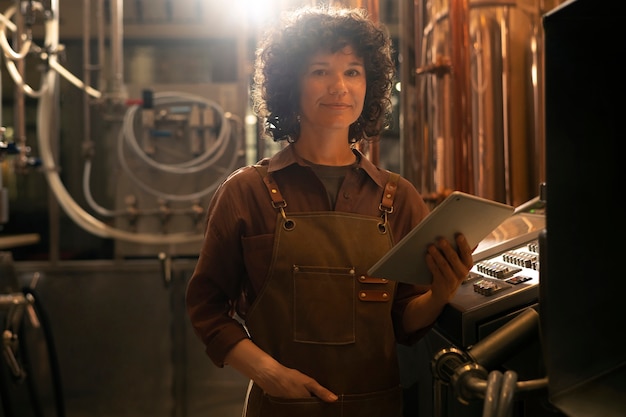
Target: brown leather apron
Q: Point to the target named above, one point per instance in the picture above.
(318, 312)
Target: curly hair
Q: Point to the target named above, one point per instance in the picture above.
(284, 51)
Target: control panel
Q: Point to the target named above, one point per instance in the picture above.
(504, 279)
(512, 267)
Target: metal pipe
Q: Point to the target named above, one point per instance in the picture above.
(461, 105)
(19, 130)
(492, 393)
(86, 69)
(506, 101)
(100, 42)
(537, 77)
(412, 115)
(507, 394)
(117, 58)
(496, 347)
(373, 8)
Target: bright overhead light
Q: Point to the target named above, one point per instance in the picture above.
(259, 11)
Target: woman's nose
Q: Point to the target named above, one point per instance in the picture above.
(338, 85)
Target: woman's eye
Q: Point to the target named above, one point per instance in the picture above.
(353, 73)
(319, 72)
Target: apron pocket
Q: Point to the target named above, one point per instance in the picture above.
(324, 305)
(386, 403)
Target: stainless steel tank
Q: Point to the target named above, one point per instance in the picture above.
(473, 94)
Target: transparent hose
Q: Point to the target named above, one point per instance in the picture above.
(9, 52)
(19, 82)
(71, 208)
(89, 197)
(201, 162)
(54, 64)
(12, 55)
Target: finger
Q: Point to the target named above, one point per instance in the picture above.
(322, 393)
(465, 252)
(432, 265)
(450, 263)
(460, 260)
(441, 254)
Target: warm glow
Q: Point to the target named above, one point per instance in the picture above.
(258, 11)
(251, 119)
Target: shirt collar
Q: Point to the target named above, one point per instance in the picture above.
(286, 157)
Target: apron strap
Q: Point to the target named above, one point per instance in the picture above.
(386, 203)
(278, 202)
(389, 193)
(277, 198)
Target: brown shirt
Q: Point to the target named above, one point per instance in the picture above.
(236, 252)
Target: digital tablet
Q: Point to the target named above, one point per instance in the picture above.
(460, 212)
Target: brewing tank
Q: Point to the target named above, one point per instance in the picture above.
(473, 119)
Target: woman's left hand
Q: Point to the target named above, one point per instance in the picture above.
(449, 267)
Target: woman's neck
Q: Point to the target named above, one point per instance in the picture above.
(333, 150)
(325, 155)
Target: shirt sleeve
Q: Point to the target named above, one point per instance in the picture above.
(405, 293)
(216, 280)
(409, 209)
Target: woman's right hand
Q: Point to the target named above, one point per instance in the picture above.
(279, 381)
(274, 378)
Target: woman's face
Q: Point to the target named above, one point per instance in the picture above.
(332, 90)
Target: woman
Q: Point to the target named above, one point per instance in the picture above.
(280, 290)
